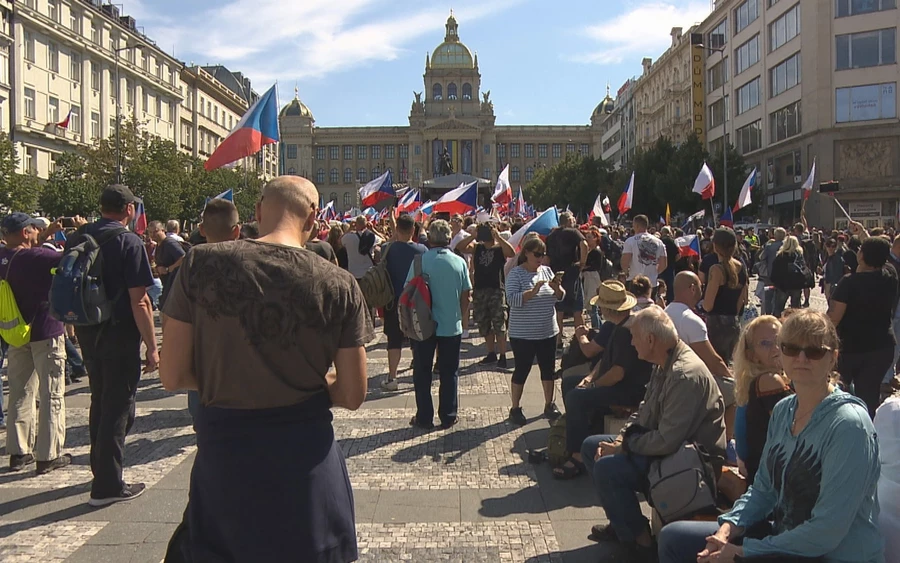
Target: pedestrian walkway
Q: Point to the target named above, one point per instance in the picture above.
(464, 494)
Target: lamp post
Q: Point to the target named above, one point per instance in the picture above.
(724, 120)
(116, 52)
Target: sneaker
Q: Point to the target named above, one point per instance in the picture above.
(489, 359)
(501, 363)
(389, 385)
(18, 462)
(552, 412)
(129, 492)
(731, 453)
(516, 416)
(465, 334)
(47, 466)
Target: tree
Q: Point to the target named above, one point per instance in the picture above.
(69, 191)
(737, 173)
(575, 183)
(18, 192)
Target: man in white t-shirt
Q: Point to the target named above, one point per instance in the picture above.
(644, 254)
(357, 263)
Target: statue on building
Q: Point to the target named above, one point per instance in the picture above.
(446, 163)
(418, 96)
(487, 106)
(486, 96)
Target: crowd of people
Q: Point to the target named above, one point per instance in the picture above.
(266, 323)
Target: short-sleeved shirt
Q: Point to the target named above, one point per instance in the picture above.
(621, 352)
(645, 250)
(29, 277)
(488, 265)
(601, 338)
(867, 323)
(357, 263)
(400, 256)
(321, 248)
(563, 248)
(267, 321)
(689, 325)
(448, 278)
(168, 252)
(536, 319)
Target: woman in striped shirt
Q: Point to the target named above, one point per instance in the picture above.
(531, 291)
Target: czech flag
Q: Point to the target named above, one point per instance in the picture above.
(64, 124)
(810, 180)
(705, 185)
(377, 190)
(410, 201)
(688, 245)
(328, 212)
(600, 210)
(460, 200)
(521, 206)
(542, 225)
(627, 197)
(140, 219)
(727, 219)
(744, 199)
(258, 128)
(503, 191)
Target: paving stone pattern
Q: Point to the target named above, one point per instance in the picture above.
(23, 542)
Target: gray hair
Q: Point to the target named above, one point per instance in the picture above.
(654, 321)
(780, 233)
(172, 226)
(439, 233)
(566, 218)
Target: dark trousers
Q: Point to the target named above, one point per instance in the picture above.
(583, 405)
(448, 367)
(114, 362)
(865, 371)
(524, 352)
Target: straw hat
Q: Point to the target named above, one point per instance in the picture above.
(612, 295)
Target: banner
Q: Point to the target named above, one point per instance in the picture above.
(698, 87)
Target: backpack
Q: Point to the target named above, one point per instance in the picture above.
(366, 242)
(556, 442)
(376, 284)
(613, 252)
(77, 293)
(13, 328)
(682, 484)
(799, 275)
(414, 306)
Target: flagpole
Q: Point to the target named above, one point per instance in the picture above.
(712, 206)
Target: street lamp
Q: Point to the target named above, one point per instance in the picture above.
(725, 118)
(116, 52)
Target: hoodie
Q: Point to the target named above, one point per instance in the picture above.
(820, 485)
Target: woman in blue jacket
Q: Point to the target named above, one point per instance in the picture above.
(817, 477)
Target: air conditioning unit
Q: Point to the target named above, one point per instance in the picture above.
(798, 179)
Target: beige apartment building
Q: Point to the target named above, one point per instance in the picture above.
(6, 42)
(808, 80)
(454, 114)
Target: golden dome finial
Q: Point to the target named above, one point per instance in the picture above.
(296, 91)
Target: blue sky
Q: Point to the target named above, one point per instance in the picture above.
(357, 62)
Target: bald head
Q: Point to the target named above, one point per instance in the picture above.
(687, 288)
(287, 203)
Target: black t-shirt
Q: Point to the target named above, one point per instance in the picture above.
(672, 253)
(594, 261)
(620, 352)
(321, 248)
(341, 255)
(169, 251)
(488, 264)
(867, 323)
(708, 261)
(563, 246)
(601, 338)
(850, 260)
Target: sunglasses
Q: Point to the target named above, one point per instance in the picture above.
(538, 254)
(812, 352)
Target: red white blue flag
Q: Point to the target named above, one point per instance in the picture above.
(258, 128)
(410, 201)
(377, 190)
(460, 200)
(688, 245)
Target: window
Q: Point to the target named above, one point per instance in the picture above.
(785, 123)
(292, 151)
(467, 91)
(514, 150)
(112, 126)
(333, 176)
(348, 175)
(514, 174)
(451, 91)
(216, 114)
(784, 75)
(145, 61)
(749, 138)
(145, 103)
(113, 87)
(586, 149)
(361, 175)
(404, 151)
(717, 38)
(746, 55)
(29, 47)
(717, 76)
(53, 57)
(75, 67)
(29, 104)
(437, 92)
(747, 96)
(129, 92)
(95, 125)
(173, 111)
(332, 197)
(872, 48)
(361, 152)
(717, 112)
(320, 176)
(501, 151)
(843, 8)
(557, 150)
(376, 152)
(784, 28)
(745, 14)
(570, 148)
(529, 174)
(159, 105)
(487, 173)
(75, 21)
(376, 172)
(773, 2)
(31, 160)
(31, 4)
(95, 33)
(418, 174)
(487, 148)
(157, 69)
(53, 10)
(75, 121)
(864, 103)
(53, 110)
(389, 152)
(418, 150)
(95, 76)
(334, 152)
(348, 200)
(320, 153)
(348, 152)
(542, 150)
(529, 150)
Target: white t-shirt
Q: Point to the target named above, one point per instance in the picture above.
(357, 264)
(645, 250)
(689, 325)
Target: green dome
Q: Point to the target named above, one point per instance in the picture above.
(452, 53)
(296, 109)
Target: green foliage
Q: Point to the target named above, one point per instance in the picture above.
(18, 192)
(737, 173)
(574, 182)
(68, 191)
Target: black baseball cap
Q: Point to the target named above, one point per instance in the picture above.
(15, 222)
(118, 195)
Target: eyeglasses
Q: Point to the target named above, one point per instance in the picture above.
(812, 352)
(766, 344)
(538, 254)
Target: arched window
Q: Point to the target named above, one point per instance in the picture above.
(348, 175)
(451, 91)
(529, 174)
(333, 176)
(332, 197)
(514, 174)
(320, 176)
(361, 175)
(348, 200)
(376, 172)
(437, 92)
(467, 91)
(292, 171)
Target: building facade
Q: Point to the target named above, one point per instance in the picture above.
(6, 45)
(793, 81)
(452, 116)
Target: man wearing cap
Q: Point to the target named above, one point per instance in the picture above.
(40, 365)
(112, 351)
(619, 379)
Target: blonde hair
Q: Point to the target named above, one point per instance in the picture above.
(809, 328)
(746, 370)
(790, 244)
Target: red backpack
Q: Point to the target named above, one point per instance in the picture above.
(414, 306)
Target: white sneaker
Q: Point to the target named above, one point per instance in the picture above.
(465, 334)
(389, 385)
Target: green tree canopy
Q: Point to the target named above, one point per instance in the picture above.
(18, 192)
(575, 183)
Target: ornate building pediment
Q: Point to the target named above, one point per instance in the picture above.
(453, 125)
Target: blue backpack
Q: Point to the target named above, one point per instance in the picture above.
(77, 294)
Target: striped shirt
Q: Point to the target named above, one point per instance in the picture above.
(536, 319)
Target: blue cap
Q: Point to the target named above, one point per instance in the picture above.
(18, 221)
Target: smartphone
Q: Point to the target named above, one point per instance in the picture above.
(558, 276)
(68, 222)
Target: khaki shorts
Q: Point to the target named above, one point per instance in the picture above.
(489, 307)
(726, 388)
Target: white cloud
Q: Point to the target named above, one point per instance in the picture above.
(642, 30)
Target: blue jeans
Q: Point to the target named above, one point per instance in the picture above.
(74, 362)
(448, 367)
(781, 298)
(154, 292)
(617, 480)
(768, 301)
(680, 542)
(595, 317)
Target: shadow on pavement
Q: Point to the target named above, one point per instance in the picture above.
(41, 498)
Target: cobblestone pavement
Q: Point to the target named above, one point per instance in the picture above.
(466, 494)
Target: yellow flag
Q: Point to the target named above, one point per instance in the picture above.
(668, 221)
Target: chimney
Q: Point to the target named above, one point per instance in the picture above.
(676, 35)
(647, 63)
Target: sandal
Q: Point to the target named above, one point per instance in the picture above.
(603, 533)
(565, 472)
